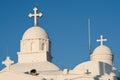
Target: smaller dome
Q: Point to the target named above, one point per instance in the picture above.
(102, 54)
(102, 50)
(34, 33)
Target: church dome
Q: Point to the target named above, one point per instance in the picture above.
(81, 68)
(102, 50)
(102, 54)
(86, 68)
(40, 67)
(35, 33)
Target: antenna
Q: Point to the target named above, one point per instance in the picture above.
(7, 51)
(7, 48)
(89, 36)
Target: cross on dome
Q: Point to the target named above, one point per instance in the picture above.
(101, 40)
(35, 15)
(8, 62)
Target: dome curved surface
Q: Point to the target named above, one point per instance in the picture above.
(102, 50)
(35, 33)
(96, 69)
(82, 66)
(41, 66)
(9, 75)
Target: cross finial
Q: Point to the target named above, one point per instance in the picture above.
(8, 62)
(35, 15)
(101, 40)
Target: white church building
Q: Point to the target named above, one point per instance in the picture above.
(34, 60)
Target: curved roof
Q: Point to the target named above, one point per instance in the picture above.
(35, 32)
(97, 69)
(102, 50)
(9, 75)
(81, 68)
(41, 66)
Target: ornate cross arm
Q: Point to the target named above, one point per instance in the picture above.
(8, 62)
(35, 15)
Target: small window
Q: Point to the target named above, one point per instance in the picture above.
(43, 46)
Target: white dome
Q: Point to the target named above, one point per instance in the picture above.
(102, 50)
(103, 54)
(81, 68)
(41, 66)
(94, 68)
(35, 33)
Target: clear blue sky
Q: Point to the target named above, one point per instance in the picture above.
(66, 24)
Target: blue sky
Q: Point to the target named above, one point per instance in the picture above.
(66, 24)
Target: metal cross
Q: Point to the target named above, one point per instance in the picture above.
(87, 72)
(8, 62)
(35, 15)
(101, 40)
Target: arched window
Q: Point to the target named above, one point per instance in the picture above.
(43, 46)
(31, 46)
